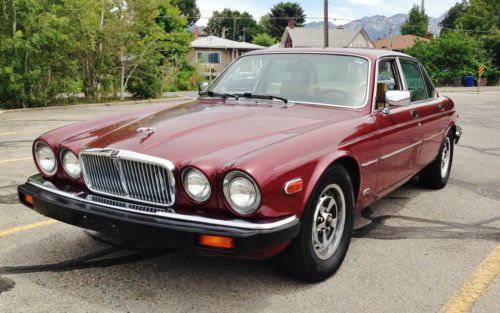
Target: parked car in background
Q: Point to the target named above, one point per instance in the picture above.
(273, 160)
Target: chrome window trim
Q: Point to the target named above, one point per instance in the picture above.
(131, 156)
(368, 84)
(39, 182)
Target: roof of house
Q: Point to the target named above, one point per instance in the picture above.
(215, 42)
(398, 42)
(313, 37)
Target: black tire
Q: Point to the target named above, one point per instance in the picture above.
(300, 259)
(432, 176)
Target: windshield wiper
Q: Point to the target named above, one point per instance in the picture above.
(216, 94)
(265, 97)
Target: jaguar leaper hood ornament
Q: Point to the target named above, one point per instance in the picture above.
(146, 131)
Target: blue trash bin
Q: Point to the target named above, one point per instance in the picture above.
(469, 81)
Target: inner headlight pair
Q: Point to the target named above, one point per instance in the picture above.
(47, 162)
(240, 191)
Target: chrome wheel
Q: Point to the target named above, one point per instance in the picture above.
(328, 222)
(445, 157)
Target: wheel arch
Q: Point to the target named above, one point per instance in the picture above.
(344, 158)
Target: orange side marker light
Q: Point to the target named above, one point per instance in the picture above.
(216, 241)
(294, 186)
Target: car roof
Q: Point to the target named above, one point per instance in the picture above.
(366, 52)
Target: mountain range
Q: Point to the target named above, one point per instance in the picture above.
(380, 26)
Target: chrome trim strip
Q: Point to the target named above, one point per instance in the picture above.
(371, 162)
(40, 182)
(435, 135)
(131, 156)
(400, 150)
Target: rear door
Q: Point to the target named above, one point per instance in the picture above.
(400, 130)
(430, 110)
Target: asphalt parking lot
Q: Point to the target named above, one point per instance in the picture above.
(414, 251)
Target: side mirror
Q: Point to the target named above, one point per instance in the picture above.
(202, 86)
(397, 98)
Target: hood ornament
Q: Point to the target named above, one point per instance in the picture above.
(146, 131)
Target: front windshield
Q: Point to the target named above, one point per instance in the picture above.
(312, 78)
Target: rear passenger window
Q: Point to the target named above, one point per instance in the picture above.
(431, 92)
(414, 80)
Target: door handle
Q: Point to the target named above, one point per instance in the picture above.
(414, 114)
(441, 107)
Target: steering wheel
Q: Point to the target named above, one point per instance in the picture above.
(332, 92)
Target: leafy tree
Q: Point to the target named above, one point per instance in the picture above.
(265, 23)
(281, 13)
(233, 25)
(189, 9)
(455, 12)
(482, 20)
(452, 54)
(417, 23)
(264, 40)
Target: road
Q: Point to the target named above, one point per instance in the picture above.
(414, 251)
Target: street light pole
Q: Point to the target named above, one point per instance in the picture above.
(325, 26)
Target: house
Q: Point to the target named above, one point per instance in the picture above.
(399, 43)
(212, 54)
(299, 37)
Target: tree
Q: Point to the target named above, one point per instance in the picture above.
(455, 12)
(452, 54)
(233, 25)
(417, 23)
(281, 13)
(263, 40)
(482, 20)
(189, 9)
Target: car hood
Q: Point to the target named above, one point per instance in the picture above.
(221, 131)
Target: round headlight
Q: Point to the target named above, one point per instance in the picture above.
(45, 158)
(196, 184)
(71, 164)
(241, 193)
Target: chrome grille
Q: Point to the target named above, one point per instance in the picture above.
(129, 175)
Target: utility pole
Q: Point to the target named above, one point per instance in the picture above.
(325, 26)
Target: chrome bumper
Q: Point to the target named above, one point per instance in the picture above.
(170, 214)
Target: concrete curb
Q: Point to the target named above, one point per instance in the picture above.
(90, 105)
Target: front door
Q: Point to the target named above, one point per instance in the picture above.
(400, 131)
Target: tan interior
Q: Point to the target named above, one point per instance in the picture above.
(381, 90)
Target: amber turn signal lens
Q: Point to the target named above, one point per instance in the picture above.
(216, 241)
(294, 186)
(28, 199)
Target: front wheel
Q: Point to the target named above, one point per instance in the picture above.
(326, 227)
(436, 174)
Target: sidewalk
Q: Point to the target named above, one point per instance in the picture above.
(468, 89)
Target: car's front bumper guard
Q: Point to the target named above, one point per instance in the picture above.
(458, 133)
(165, 226)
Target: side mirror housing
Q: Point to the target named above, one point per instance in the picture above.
(202, 86)
(397, 98)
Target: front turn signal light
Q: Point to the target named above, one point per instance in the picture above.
(216, 241)
(28, 199)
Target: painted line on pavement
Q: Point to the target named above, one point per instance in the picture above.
(476, 285)
(25, 132)
(15, 160)
(17, 229)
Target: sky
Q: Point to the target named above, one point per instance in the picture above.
(340, 11)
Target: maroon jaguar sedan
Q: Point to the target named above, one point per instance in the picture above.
(274, 159)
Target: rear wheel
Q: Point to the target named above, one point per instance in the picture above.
(326, 226)
(436, 174)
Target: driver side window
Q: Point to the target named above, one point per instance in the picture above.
(387, 79)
